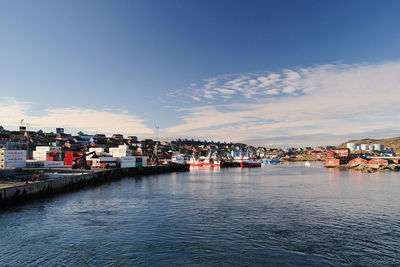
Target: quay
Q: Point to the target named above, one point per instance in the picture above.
(63, 180)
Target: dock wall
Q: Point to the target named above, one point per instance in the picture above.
(21, 193)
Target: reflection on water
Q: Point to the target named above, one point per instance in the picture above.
(285, 214)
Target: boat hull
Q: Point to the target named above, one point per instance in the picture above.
(250, 164)
(205, 164)
(195, 164)
(271, 161)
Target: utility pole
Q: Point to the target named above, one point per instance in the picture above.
(155, 146)
(20, 135)
(28, 138)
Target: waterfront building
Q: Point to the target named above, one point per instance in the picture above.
(359, 160)
(335, 162)
(341, 152)
(379, 161)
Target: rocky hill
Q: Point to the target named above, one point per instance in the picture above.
(387, 142)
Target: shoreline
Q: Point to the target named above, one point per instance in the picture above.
(367, 168)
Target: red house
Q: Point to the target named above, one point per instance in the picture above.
(359, 161)
(330, 154)
(378, 162)
(335, 162)
(317, 153)
(341, 152)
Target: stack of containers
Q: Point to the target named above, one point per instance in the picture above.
(104, 162)
(53, 156)
(44, 164)
(40, 155)
(70, 156)
(47, 153)
(12, 158)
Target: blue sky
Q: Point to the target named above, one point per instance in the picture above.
(203, 69)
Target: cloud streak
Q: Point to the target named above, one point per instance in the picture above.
(324, 104)
(87, 120)
(326, 100)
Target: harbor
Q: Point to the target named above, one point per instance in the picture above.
(36, 164)
(199, 133)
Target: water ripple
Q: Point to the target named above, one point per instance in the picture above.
(284, 215)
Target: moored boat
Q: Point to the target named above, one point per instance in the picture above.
(244, 159)
(271, 161)
(193, 162)
(180, 159)
(250, 163)
(211, 162)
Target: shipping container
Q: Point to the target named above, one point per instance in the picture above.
(20, 164)
(49, 148)
(35, 164)
(12, 159)
(128, 158)
(6, 152)
(128, 164)
(53, 164)
(104, 162)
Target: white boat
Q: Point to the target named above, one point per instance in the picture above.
(194, 162)
(307, 164)
(180, 159)
(244, 159)
(211, 162)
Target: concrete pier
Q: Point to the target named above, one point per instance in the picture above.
(19, 192)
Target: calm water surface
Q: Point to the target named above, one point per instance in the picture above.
(282, 215)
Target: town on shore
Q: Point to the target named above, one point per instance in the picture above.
(38, 149)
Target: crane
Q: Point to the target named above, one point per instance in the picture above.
(81, 163)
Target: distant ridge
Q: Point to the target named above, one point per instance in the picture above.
(387, 142)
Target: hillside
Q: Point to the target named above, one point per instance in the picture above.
(387, 142)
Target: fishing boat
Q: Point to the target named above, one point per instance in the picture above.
(180, 159)
(194, 162)
(272, 161)
(211, 162)
(250, 163)
(244, 159)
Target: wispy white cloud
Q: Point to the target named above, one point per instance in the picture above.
(326, 100)
(88, 120)
(302, 106)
